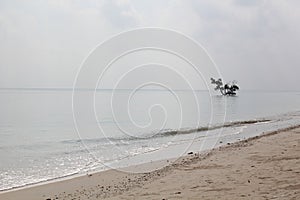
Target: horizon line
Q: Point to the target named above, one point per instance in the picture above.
(149, 89)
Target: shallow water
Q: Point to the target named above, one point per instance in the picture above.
(39, 140)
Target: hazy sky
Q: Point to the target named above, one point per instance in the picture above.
(43, 43)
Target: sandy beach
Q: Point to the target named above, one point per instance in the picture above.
(263, 167)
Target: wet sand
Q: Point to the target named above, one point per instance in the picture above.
(263, 167)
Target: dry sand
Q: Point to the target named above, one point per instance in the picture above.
(264, 167)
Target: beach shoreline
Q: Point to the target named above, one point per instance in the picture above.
(112, 183)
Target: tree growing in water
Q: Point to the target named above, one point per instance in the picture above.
(227, 89)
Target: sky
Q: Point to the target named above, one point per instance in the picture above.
(256, 42)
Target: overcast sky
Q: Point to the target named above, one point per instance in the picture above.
(43, 43)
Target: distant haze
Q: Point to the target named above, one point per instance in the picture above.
(256, 42)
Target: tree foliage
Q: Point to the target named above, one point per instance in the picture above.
(227, 89)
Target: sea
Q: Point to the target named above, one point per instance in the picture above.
(49, 134)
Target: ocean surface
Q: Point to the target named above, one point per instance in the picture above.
(45, 135)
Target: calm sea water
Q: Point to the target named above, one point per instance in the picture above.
(39, 140)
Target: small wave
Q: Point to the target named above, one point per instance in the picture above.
(209, 128)
(39, 181)
(95, 140)
(167, 133)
